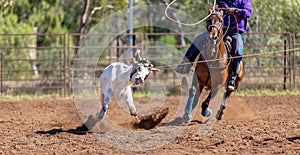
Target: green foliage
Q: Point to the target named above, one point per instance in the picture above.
(11, 26)
(6, 3)
(22, 18)
(55, 16)
(273, 16)
(196, 9)
(170, 40)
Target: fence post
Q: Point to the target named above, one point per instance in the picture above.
(65, 66)
(294, 60)
(285, 65)
(290, 62)
(69, 66)
(1, 84)
(296, 52)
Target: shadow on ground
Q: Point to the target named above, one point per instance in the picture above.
(81, 130)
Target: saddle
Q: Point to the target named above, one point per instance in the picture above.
(227, 43)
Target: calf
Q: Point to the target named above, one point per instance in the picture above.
(118, 78)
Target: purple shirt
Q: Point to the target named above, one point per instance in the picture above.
(243, 13)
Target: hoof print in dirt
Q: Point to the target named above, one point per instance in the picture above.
(150, 121)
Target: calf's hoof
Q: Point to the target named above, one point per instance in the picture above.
(133, 113)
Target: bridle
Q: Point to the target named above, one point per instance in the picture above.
(215, 13)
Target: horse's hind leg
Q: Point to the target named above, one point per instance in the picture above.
(227, 94)
(220, 112)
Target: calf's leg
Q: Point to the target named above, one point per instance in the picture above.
(105, 99)
(127, 96)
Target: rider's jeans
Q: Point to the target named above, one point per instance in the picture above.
(237, 49)
(196, 46)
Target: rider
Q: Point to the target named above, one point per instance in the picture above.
(237, 13)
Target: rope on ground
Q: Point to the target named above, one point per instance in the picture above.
(244, 56)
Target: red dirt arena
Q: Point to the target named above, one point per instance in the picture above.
(251, 125)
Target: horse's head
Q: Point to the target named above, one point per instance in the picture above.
(214, 23)
(141, 70)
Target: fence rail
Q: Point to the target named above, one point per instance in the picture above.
(33, 65)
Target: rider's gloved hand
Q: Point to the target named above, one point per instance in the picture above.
(231, 10)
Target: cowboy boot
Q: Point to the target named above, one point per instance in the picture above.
(183, 67)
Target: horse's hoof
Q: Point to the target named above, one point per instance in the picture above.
(186, 118)
(220, 113)
(101, 115)
(206, 112)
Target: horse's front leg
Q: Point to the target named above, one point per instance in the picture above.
(194, 94)
(206, 111)
(220, 112)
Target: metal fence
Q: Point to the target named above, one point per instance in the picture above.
(30, 67)
(44, 63)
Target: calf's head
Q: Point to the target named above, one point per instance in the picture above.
(141, 70)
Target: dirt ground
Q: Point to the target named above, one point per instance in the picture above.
(252, 125)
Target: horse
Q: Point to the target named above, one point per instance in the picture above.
(213, 67)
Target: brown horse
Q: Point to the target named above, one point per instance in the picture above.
(214, 72)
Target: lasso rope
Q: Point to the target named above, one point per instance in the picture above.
(187, 24)
(235, 57)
